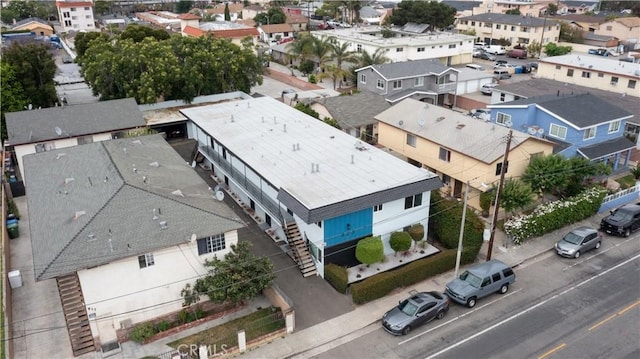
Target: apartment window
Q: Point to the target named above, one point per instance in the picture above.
(631, 84)
(503, 118)
(498, 26)
(473, 23)
(487, 24)
(444, 154)
(614, 126)
(614, 80)
(397, 84)
(211, 244)
(452, 46)
(88, 17)
(600, 74)
(358, 48)
(558, 131)
(286, 34)
(377, 208)
(380, 84)
(73, 9)
(413, 201)
(47, 146)
(66, 14)
(589, 133)
(558, 67)
(524, 29)
(446, 179)
(502, 96)
(499, 168)
(74, 18)
(319, 224)
(363, 78)
(570, 72)
(418, 81)
(86, 8)
(513, 28)
(399, 49)
(146, 260)
(421, 49)
(411, 140)
(586, 74)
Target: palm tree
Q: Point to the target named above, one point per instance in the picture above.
(378, 57)
(300, 48)
(321, 50)
(333, 72)
(340, 54)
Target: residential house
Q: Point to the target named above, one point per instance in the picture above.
(217, 10)
(35, 25)
(162, 19)
(517, 29)
(593, 71)
(580, 7)
(315, 187)
(233, 31)
(249, 12)
(47, 129)
(122, 226)
(627, 29)
(112, 23)
(409, 42)
(585, 23)
(463, 8)
(76, 15)
(540, 86)
(355, 113)
(600, 41)
(531, 8)
(460, 149)
(298, 22)
(371, 16)
(277, 33)
(580, 125)
(427, 80)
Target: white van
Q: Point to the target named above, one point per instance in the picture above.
(495, 49)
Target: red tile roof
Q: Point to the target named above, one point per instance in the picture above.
(270, 29)
(235, 33)
(219, 9)
(192, 31)
(189, 16)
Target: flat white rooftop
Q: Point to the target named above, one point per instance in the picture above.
(364, 35)
(596, 63)
(281, 144)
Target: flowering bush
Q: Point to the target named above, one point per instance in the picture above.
(550, 216)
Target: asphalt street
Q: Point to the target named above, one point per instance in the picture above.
(558, 308)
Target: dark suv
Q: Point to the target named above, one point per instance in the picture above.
(622, 221)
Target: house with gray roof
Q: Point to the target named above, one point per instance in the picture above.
(581, 125)
(124, 225)
(41, 130)
(427, 80)
(355, 113)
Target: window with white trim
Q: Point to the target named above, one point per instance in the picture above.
(380, 84)
(421, 49)
(586, 74)
(411, 140)
(570, 72)
(631, 84)
(444, 154)
(558, 131)
(399, 49)
(211, 244)
(377, 208)
(363, 78)
(418, 82)
(503, 118)
(413, 201)
(146, 260)
(358, 48)
(589, 133)
(614, 127)
(397, 84)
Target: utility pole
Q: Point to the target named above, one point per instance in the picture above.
(503, 170)
(464, 214)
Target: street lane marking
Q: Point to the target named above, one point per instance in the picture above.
(504, 321)
(552, 351)
(614, 315)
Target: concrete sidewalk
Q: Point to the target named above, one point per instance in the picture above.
(364, 319)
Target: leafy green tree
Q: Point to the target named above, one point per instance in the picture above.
(102, 7)
(329, 8)
(438, 15)
(34, 67)
(552, 9)
(190, 296)
(20, 10)
(377, 58)
(240, 277)
(331, 122)
(546, 174)
(83, 39)
(534, 48)
(400, 241)
(369, 250)
(487, 199)
(183, 6)
(137, 33)
(580, 171)
(515, 195)
(227, 15)
(299, 49)
(513, 12)
(11, 95)
(552, 49)
(569, 33)
(306, 67)
(303, 107)
(274, 15)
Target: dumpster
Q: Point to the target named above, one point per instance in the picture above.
(12, 228)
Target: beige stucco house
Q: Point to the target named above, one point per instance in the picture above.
(624, 28)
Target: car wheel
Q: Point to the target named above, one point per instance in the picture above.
(627, 232)
(406, 330)
(471, 302)
(504, 289)
(577, 255)
(440, 314)
(598, 245)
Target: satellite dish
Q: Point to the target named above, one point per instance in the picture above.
(58, 131)
(400, 123)
(219, 195)
(540, 131)
(508, 123)
(532, 130)
(421, 122)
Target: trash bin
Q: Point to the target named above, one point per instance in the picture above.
(12, 228)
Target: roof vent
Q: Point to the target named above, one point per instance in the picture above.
(154, 164)
(177, 193)
(68, 180)
(460, 125)
(78, 214)
(60, 155)
(163, 224)
(440, 118)
(137, 142)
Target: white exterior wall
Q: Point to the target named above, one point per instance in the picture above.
(122, 290)
(75, 16)
(393, 218)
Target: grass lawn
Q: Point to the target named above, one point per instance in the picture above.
(256, 324)
(626, 181)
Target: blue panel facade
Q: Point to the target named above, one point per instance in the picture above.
(348, 227)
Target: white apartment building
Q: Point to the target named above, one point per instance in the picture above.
(76, 15)
(517, 29)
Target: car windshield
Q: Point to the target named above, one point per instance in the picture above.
(471, 279)
(407, 307)
(572, 238)
(621, 215)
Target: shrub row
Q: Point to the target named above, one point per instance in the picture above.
(382, 284)
(551, 216)
(336, 276)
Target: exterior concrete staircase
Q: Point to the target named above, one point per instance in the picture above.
(299, 251)
(75, 314)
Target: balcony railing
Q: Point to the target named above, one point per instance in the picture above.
(443, 88)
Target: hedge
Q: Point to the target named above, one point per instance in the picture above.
(336, 276)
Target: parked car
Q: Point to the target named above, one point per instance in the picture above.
(501, 61)
(486, 56)
(578, 241)
(479, 281)
(622, 221)
(487, 89)
(481, 113)
(412, 312)
(502, 74)
(517, 53)
(495, 49)
(476, 53)
(503, 65)
(533, 65)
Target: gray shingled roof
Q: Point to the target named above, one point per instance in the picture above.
(519, 20)
(398, 70)
(581, 110)
(355, 110)
(461, 5)
(77, 120)
(542, 86)
(118, 204)
(606, 148)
